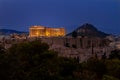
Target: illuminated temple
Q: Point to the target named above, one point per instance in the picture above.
(37, 31)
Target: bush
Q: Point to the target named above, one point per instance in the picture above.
(107, 77)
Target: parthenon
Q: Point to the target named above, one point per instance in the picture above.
(38, 31)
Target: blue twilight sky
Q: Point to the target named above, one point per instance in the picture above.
(21, 14)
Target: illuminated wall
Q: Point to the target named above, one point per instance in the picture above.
(36, 31)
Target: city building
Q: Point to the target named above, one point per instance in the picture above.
(38, 31)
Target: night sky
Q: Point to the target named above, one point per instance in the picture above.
(21, 14)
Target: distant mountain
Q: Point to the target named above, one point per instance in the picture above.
(88, 30)
(9, 31)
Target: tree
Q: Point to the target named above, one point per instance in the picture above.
(74, 34)
(34, 61)
(113, 68)
(104, 56)
(2, 49)
(26, 58)
(115, 54)
(4, 65)
(95, 67)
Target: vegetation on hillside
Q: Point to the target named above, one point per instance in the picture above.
(34, 61)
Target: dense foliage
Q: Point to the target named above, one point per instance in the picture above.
(34, 61)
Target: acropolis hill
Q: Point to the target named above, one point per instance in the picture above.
(88, 42)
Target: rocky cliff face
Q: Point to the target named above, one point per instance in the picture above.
(89, 30)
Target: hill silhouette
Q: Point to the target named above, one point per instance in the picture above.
(88, 30)
(10, 31)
